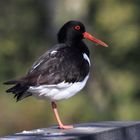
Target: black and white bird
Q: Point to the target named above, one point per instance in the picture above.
(61, 72)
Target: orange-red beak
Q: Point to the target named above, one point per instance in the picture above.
(93, 39)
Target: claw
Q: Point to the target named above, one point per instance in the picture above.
(65, 127)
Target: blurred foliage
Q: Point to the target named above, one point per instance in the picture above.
(28, 28)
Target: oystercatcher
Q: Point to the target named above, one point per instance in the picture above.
(61, 72)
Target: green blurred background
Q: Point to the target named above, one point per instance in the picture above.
(28, 28)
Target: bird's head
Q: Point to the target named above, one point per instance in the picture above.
(74, 31)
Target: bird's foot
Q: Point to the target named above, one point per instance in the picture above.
(65, 126)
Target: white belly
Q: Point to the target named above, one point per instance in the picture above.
(57, 92)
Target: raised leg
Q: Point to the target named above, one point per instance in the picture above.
(61, 126)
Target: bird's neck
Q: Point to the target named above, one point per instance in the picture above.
(80, 45)
(72, 42)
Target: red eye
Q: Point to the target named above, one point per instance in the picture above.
(77, 27)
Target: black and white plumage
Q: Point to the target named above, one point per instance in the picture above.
(63, 73)
(60, 72)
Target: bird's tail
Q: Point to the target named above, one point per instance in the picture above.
(19, 89)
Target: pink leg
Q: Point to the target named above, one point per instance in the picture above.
(61, 126)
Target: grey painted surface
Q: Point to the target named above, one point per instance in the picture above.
(109, 130)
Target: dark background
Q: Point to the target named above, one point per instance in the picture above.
(28, 28)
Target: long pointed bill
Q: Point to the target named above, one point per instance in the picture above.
(93, 39)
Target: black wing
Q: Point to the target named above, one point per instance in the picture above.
(61, 63)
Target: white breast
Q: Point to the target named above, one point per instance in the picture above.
(58, 92)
